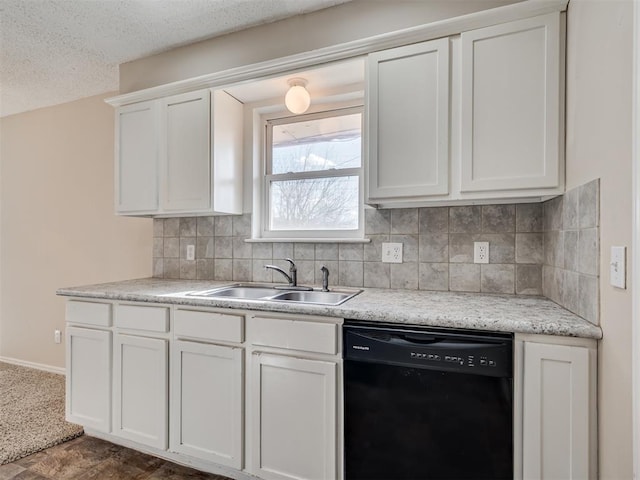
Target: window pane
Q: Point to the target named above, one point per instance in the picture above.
(321, 144)
(315, 204)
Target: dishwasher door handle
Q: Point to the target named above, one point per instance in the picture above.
(408, 339)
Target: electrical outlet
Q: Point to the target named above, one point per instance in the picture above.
(392, 253)
(191, 252)
(480, 252)
(57, 336)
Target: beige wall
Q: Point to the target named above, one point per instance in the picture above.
(599, 88)
(57, 226)
(344, 23)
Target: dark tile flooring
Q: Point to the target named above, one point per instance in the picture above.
(86, 458)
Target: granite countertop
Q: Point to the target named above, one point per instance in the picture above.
(506, 313)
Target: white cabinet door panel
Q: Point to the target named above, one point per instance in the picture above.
(207, 402)
(136, 152)
(294, 430)
(408, 121)
(88, 379)
(510, 102)
(186, 156)
(140, 390)
(556, 412)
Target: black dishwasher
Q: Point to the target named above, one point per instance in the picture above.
(427, 403)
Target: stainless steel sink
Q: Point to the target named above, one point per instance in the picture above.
(317, 297)
(281, 294)
(243, 292)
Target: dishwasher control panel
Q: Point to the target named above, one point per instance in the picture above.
(459, 359)
(482, 354)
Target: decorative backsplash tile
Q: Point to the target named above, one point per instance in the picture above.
(437, 250)
(549, 248)
(572, 250)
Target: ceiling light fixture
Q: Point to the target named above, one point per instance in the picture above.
(297, 99)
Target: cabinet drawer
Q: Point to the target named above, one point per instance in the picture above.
(154, 319)
(208, 325)
(89, 313)
(295, 334)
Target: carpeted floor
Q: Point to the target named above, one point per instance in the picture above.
(31, 412)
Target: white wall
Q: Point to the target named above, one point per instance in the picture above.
(57, 226)
(599, 90)
(303, 33)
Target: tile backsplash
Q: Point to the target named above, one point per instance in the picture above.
(570, 272)
(437, 250)
(549, 249)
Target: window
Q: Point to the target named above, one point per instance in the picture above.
(313, 177)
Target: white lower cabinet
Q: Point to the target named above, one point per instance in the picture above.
(294, 417)
(261, 394)
(206, 402)
(88, 379)
(140, 389)
(558, 412)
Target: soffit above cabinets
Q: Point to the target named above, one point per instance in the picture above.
(322, 81)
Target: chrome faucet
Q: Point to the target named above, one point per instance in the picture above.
(325, 278)
(292, 276)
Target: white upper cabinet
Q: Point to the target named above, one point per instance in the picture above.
(472, 117)
(511, 112)
(185, 152)
(180, 155)
(136, 150)
(408, 121)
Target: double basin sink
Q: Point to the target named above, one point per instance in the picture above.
(268, 293)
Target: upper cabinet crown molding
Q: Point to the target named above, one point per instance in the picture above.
(434, 30)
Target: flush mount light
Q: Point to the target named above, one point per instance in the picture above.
(297, 99)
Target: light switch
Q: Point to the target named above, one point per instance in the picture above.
(618, 267)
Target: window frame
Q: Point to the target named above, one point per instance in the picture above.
(267, 178)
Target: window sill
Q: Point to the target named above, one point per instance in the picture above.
(308, 240)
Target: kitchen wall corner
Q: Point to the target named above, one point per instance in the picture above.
(572, 250)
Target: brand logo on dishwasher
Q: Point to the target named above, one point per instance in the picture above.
(359, 347)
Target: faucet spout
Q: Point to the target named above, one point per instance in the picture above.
(278, 269)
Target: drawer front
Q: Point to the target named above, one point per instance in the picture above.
(153, 319)
(89, 313)
(295, 334)
(208, 325)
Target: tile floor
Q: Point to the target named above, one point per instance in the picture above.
(87, 458)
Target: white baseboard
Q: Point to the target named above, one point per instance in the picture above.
(37, 366)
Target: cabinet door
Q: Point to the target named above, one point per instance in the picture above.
(185, 152)
(140, 390)
(88, 379)
(226, 152)
(206, 402)
(408, 121)
(294, 418)
(136, 154)
(556, 412)
(510, 106)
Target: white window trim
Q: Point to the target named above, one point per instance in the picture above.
(261, 191)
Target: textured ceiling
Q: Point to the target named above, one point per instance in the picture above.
(55, 51)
